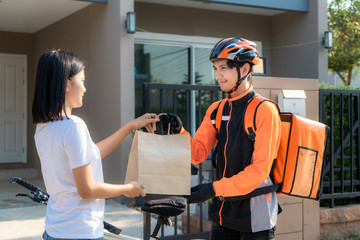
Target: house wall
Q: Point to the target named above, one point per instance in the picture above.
(291, 42)
(158, 18)
(297, 49)
(96, 35)
(21, 43)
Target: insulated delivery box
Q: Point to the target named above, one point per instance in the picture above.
(297, 171)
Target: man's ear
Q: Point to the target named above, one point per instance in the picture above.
(245, 69)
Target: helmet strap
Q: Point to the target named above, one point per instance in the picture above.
(240, 80)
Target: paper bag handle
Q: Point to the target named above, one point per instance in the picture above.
(168, 131)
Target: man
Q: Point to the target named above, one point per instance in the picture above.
(242, 164)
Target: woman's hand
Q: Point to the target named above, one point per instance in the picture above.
(135, 190)
(147, 120)
(88, 188)
(108, 145)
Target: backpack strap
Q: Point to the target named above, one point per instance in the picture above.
(250, 114)
(254, 193)
(218, 117)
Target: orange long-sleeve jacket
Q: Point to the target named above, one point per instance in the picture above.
(242, 165)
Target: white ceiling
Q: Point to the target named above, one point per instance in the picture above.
(30, 16)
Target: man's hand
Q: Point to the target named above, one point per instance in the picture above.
(201, 193)
(174, 121)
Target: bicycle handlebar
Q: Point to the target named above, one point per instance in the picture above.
(39, 195)
(112, 228)
(25, 184)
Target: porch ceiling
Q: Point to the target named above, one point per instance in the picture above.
(216, 6)
(27, 16)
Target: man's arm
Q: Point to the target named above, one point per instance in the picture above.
(205, 138)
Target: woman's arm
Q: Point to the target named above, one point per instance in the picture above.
(110, 143)
(88, 188)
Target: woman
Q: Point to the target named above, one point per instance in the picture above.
(70, 160)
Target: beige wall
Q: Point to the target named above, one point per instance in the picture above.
(22, 43)
(97, 34)
(271, 87)
(299, 219)
(306, 58)
(297, 48)
(198, 22)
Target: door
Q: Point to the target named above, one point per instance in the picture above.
(12, 108)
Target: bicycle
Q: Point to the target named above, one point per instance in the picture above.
(164, 208)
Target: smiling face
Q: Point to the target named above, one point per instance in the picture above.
(225, 76)
(75, 90)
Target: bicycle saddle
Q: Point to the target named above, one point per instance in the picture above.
(166, 207)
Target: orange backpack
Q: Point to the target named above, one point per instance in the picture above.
(297, 170)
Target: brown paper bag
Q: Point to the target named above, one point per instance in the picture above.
(160, 162)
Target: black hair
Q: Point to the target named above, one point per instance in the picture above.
(54, 68)
(238, 65)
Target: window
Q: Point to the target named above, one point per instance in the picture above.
(173, 59)
(159, 64)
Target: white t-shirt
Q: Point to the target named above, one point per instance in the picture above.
(63, 146)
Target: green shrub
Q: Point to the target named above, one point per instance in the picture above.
(340, 87)
(333, 236)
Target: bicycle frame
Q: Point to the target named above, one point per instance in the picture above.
(110, 236)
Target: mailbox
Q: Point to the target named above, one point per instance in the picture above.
(292, 101)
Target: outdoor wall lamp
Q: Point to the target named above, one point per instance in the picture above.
(328, 39)
(130, 22)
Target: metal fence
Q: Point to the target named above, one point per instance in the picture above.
(339, 109)
(190, 103)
